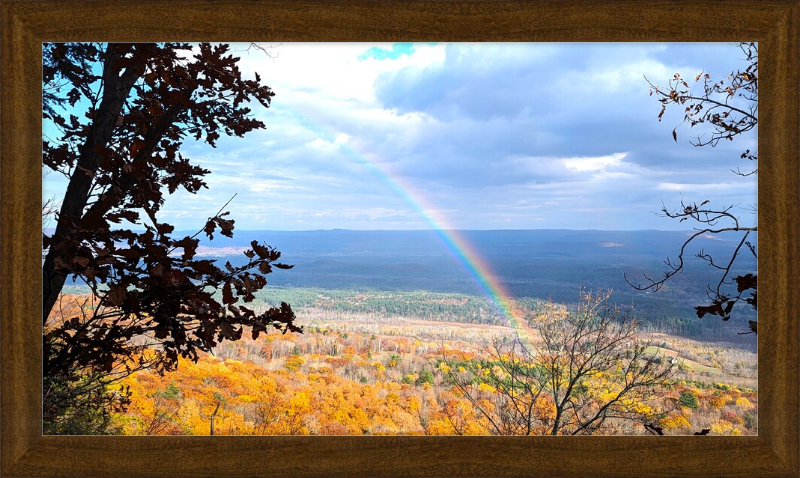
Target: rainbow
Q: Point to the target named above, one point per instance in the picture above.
(453, 240)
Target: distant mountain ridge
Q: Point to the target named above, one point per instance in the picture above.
(528, 262)
(540, 241)
(543, 264)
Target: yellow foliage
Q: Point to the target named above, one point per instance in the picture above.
(293, 363)
(302, 394)
(440, 426)
(189, 416)
(743, 403)
(414, 403)
(642, 408)
(717, 401)
(486, 388)
(607, 395)
(721, 427)
(300, 402)
(546, 407)
(673, 422)
(475, 428)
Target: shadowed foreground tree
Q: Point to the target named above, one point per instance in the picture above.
(122, 112)
(588, 374)
(726, 108)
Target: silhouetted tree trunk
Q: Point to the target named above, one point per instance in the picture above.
(213, 416)
(117, 82)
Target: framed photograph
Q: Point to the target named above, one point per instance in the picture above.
(25, 450)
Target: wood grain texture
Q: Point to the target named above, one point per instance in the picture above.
(25, 24)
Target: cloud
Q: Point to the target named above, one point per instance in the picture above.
(373, 136)
(697, 187)
(594, 163)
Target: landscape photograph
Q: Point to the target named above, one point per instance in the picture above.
(400, 239)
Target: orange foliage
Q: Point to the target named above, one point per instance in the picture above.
(717, 401)
(294, 390)
(675, 422)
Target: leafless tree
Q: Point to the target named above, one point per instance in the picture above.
(504, 388)
(165, 412)
(597, 339)
(730, 106)
(587, 373)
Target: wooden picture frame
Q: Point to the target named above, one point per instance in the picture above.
(24, 25)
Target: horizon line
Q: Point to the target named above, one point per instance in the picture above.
(454, 229)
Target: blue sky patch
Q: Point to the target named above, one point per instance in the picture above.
(397, 50)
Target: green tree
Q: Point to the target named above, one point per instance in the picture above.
(425, 376)
(172, 392)
(80, 404)
(688, 399)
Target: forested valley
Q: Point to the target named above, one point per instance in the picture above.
(415, 362)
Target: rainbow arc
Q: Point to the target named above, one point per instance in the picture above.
(453, 239)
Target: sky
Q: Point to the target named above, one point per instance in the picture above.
(465, 136)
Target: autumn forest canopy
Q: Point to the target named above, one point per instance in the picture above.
(162, 316)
